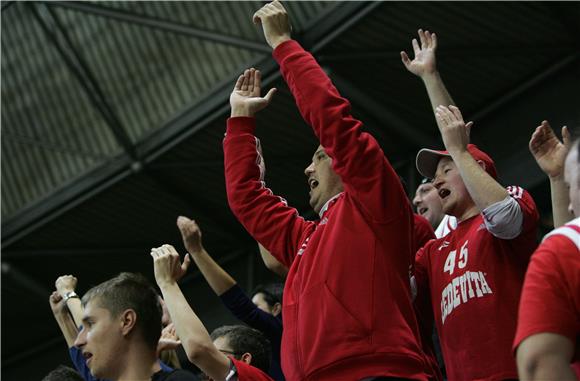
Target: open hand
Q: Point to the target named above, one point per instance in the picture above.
(548, 150)
(168, 340)
(424, 62)
(167, 265)
(245, 99)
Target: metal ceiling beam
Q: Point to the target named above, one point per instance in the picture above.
(160, 24)
(58, 36)
(572, 60)
(387, 118)
(174, 132)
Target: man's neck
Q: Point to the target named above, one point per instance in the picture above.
(140, 365)
(468, 213)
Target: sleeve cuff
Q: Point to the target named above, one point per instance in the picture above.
(284, 49)
(240, 125)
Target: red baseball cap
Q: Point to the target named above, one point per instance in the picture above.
(427, 160)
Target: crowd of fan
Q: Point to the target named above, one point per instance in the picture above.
(373, 291)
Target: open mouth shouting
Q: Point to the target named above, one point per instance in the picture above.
(443, 193)
(423, 211)
(312, 183)
(88, 356)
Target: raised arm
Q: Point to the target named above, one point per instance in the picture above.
(217, 278)
(194, 337)
(483, 189)
(356, 156)
(424, 66)
(550, 154)
(63, 318)
(272, 263)
(265, 216)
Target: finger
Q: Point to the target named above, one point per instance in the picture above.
(238, 85)
(422, 38)
(416, 47)
(468, 128)
(258, 80)
(427, 39)
(251, 79)
(256, 17)
(246, 80)
(270, 94)
(456, 112)
(405, 59)
(433, 41)
(566, 137)
(186, 262)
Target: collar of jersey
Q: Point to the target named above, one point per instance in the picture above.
(327, 204)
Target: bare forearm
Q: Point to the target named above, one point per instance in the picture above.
(483, 189)
(272, 263)
(436, 90)
(76, 310)
(560, 201)
(67, 327)
(547, 368)
(193, 335)
(217, 278)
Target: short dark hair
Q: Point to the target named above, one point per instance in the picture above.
(243, 339)
(272, 292)
(131, 291)
(63, 373)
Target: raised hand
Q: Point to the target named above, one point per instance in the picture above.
(190, 234)
(57, 304)
(65, 283)
(245, 99)
(275, 23)
(167, 265)
(424, 62)
(168, 339)
(548, 150)
(454, 131)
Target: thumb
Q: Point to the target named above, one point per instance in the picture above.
(468, 128)
(566, 138)
(256, 18)
(270, 94)
(405, 59)
(186, 262)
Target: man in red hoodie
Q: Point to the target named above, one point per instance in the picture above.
(347, 306)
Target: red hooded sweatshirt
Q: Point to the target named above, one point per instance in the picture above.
(347, 304)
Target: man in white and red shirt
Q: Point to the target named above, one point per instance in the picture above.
(474, 274)
(547, 340)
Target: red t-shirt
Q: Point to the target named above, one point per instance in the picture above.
(474, 280)
(551, 294)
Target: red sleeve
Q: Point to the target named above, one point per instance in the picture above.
(356, 156)
(265, 216)
(546, 303)
(249, 373)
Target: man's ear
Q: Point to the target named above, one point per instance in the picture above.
(247, 358)
(481, 164)
(128, 320)
(276, 309)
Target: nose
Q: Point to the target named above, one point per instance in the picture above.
(416, 200)
(81, 339)
(309, 170)
(571, 210)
